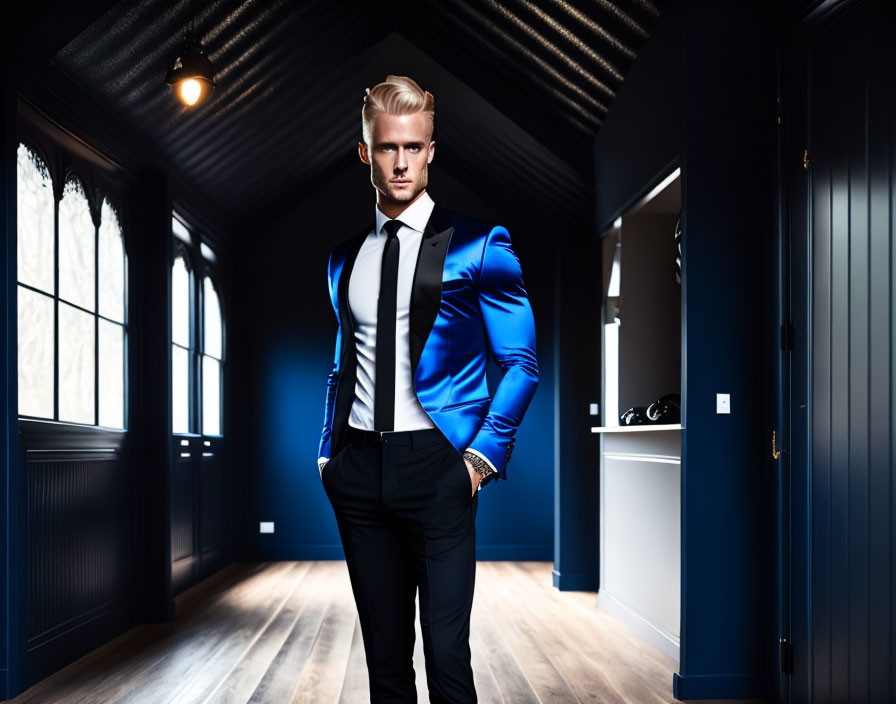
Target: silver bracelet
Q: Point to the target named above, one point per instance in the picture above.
(480, 465)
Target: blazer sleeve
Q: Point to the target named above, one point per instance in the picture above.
(333, 377)
(510, 333)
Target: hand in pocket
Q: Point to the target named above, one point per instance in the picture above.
(475, 477)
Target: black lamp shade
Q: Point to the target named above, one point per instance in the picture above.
(192, 74)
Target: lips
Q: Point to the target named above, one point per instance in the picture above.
(401, 182)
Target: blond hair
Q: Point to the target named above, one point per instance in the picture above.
(397, 95)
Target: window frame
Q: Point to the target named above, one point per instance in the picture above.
(199, 267)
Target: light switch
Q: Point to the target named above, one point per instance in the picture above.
(266, 527)
(595, 409)
(723, 403)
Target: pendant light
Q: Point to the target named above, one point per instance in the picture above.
(191, 76)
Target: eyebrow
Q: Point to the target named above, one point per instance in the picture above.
(392, 144)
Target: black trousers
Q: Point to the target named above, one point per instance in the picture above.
(406, 514)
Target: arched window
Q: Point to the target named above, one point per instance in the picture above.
(72, 318)
(197, 336)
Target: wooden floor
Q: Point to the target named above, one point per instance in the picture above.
(278, 632)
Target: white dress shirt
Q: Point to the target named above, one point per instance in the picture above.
(363, 295)
(363, 298)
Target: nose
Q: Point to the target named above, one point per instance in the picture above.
(402, 162)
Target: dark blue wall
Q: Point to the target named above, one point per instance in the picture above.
(642, 135)
(576, 344)
(728, 178)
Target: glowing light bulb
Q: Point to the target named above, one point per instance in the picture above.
(190, 90)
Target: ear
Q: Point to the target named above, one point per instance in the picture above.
(362, 152)
(432, 151)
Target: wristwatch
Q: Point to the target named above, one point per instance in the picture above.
(481, 466)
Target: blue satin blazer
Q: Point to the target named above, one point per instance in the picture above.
(467, 299)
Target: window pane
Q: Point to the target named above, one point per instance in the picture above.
(35, 353)
(76, 247)
(36, 253)
(111, 365)
(76, 360)
(611, 374)
(111, 256)
(212, 315)
(211, 396)
(180, 390)
(207, 252)
(180, 303)
(181, 232)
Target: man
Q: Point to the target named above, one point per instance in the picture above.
(421, 295)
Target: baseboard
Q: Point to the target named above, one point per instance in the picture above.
(685, 687)
(659, 637)
(515, 553)
(62, 645)
(574, 581)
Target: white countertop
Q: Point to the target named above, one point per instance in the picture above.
(635, 428)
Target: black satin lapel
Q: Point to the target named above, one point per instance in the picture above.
(426, 290)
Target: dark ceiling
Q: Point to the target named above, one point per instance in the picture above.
(521, 90)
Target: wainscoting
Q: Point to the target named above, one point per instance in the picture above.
(80, 526)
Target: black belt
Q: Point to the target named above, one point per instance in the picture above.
(417, 438)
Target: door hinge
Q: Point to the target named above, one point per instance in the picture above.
(806, 159)
(787, 337)
(786, 656)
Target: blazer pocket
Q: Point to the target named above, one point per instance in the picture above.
(458, 404)
(456, 284)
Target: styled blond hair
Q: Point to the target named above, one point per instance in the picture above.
(397, 95)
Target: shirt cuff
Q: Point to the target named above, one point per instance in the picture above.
(321, 461)
(479, 454)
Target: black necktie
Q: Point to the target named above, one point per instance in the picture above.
(384, 382)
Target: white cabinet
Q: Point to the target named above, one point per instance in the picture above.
(640, 531)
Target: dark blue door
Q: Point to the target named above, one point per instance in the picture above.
(837, 486)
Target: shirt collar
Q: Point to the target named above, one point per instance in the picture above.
(414, 216)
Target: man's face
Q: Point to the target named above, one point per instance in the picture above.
(398, 156)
